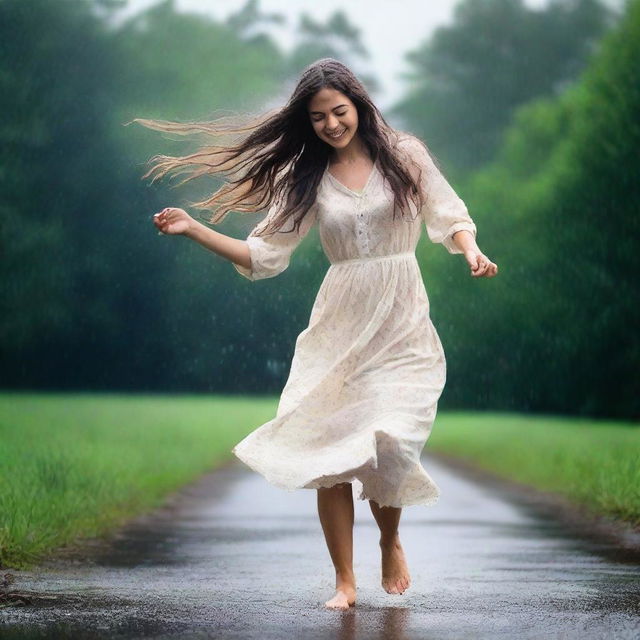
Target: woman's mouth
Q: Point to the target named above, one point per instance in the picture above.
(336, 135)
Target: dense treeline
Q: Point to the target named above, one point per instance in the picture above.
(566, 195)
(558, 209)
(92, 298)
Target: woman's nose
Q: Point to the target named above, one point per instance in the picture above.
(332, 123)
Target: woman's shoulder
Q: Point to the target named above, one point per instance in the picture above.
(405, 141)
(409, 147)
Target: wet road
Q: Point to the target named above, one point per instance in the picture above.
(233, 557)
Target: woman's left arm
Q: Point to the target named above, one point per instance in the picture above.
(479, 263)
(445, 214)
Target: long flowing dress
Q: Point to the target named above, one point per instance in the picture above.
(367, 372)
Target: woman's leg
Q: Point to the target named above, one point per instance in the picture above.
(335, 508)
(395, 573)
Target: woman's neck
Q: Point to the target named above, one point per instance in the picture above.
(352, 153)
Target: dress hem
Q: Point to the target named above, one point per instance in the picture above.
(355, 474)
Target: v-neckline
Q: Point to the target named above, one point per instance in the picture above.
(344, 187)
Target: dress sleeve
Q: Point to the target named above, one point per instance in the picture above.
(444, 212)
(270, 254)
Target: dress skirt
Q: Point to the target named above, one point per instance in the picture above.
(367, 372)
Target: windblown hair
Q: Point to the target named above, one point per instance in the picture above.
(278, 157)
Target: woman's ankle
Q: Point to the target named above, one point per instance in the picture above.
(389, 540)
(345, 578)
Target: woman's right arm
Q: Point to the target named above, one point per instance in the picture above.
(255, 258)
(176, 221)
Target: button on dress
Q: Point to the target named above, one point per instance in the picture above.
(368, 370)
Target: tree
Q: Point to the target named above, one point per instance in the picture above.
(336, 38)
(89, 299)
(466, 81)
(558, 208)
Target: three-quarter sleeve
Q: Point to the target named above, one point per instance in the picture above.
(444, 212)
(270, 254)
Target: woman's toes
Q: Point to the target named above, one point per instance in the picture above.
(391, 587)
(337, 603)
(397, 586)
(342, 599)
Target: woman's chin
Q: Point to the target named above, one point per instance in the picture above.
(340, 142)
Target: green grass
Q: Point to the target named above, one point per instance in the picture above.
(593, 463)
(76, 465)
(79, 465)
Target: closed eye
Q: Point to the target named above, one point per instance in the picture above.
(338, 114)
(342, 113)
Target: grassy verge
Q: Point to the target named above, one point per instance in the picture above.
(76, 465)
(593, 463)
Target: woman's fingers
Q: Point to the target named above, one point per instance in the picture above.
(171, 220)
(483, 267)
(162, 219)
(490, 269)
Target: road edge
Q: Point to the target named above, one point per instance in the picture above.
(577, 519)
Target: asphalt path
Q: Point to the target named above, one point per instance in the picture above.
(233, 557)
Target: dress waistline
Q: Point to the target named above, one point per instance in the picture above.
(389, 256)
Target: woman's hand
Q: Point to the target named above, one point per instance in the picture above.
(480, 264)
(173, 221)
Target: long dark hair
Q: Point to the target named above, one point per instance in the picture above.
(279, 157)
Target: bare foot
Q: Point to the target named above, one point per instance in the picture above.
(395, 573)
(345, 597)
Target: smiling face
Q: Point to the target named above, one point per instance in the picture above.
(334, 117)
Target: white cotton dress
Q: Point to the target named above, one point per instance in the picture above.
(367, 372)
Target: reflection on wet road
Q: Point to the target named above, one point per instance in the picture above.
(238, 558)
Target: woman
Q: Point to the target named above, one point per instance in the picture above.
(368, 371)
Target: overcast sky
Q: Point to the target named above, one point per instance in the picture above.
(389, 28)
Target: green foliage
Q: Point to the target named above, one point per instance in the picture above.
(558, 211)
(468, 78)
(56, 155)
(249, 20)
(184, 66)
(91, 296)
(336, 38)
